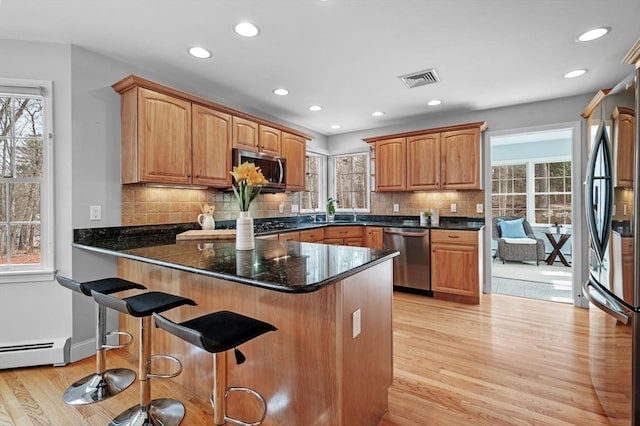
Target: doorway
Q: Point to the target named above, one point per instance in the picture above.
(534, 177)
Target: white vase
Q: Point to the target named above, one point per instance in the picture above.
(206, 221)
(244, 232)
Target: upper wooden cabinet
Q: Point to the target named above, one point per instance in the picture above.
(430, 159)
(294, 151)
(156, 138)
(211, 142)
(173, 137)
(269, 140)
(245, 134)
(624, 126)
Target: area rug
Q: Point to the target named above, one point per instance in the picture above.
(543, 273)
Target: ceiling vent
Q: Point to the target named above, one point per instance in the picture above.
(420, 78)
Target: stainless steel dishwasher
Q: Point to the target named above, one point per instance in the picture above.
(412, 268)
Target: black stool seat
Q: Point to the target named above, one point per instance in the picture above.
(216, 332)
(142, 305)
(105, 285)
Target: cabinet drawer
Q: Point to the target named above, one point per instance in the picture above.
(627, 245)
(354, 241)
(312, 235)
(450, 236)
(343, 232)
(289, 236)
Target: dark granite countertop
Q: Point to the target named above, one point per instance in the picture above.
(622, 228)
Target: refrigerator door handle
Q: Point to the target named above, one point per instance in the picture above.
(611, 307)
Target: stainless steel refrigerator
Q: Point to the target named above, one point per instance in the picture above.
(614, 314)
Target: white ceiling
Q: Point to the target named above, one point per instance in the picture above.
(346, 55)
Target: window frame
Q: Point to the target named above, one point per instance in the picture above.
(322, 183)
(45, 269)
(367, 181)
(513, 163)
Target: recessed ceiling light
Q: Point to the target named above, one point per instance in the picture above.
(246, 29)
(594, 34)
(575, 73)
(377, 114)
(315, 108)
(434, 102)
(199, 52)
(281, 92)
(335, 126)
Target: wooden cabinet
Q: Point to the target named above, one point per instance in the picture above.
(344, 235)
(623, 146)
(461, 156)
(456, 266)
(430, 159)
(269, 140)
(312, 235)
(294, 151)
(211, 133)
(245, 134)
(391, 174)
(373, 237)
(156, 138)
(289, 236)
(423, 162)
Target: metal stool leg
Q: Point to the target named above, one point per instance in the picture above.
(103, 383)
(163, 411)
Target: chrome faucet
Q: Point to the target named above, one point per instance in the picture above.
(314, 215)
(355, 216)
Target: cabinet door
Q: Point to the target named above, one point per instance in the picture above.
(373, 237)
(623, 146)
(245, 134)
(164, 138)
(461, 159)
(454, 269)
(269, 140)
(289, 236)
(312, 235)
(211, 147)
(423, 162)
(391, 173)
(294, 151)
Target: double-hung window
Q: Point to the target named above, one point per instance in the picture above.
(26, 177)
(315, 169)
(351, 181)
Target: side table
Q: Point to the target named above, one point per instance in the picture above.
(557, 246)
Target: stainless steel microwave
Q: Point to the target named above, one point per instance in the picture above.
(273, 168)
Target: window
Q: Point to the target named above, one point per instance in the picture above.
(25, 179)
(313, 195)
(552, 193)
(509, 190)
(351, 187)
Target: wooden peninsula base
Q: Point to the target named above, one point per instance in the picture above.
(312, 371)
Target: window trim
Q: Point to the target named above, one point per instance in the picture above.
(367, 183)
(44, 270)
(322, 189)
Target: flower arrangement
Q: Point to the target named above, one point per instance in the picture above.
(249, 179)
(207, 209)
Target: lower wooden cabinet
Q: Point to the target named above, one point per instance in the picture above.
(373, 237)
(312, 235)
(344, 235)
(289, 236)
(456, 268)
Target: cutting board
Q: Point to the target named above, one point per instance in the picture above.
(208, 234)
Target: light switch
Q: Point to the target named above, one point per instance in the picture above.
(454, 208)
(356, 317)
(95, 212)
(479, 208)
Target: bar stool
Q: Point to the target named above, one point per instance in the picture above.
(163, 411)
(103, 383)
(217, 333)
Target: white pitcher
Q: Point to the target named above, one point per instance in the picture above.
(206, 221)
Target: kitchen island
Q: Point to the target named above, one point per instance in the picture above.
(321, 367)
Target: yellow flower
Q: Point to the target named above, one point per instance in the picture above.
(249, 178)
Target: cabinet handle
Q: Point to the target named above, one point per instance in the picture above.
(453, 236)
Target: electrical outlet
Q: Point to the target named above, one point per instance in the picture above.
(95, 212)
(281, 208)
(454, 208)
(357, 326)
(396, 208)
(479, 208)
(295, 208)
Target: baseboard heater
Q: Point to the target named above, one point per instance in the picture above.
(29, 353)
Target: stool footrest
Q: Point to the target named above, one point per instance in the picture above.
(165, 375)
(122, 345)
(252, 392)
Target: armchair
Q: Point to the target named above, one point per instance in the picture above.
(514, 243)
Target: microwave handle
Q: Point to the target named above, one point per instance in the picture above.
(281, 174)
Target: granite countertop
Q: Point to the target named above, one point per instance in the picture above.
(277, 265)
(622, 228)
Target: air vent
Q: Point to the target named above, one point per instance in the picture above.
(420, 78)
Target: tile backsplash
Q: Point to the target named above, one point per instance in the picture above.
(145, 205)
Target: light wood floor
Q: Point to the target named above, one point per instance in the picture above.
(509, 361)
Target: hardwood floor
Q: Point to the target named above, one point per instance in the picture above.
(508, 361)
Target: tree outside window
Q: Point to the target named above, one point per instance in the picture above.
(22, 170)
(509, 190)
(553, 193)
(352, 181)
(310, 198)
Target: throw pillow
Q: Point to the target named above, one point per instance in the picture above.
(512, 228)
